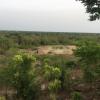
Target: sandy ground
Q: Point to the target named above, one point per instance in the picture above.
(52, 49)
(57, 49)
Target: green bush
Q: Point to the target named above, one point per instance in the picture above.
(76, 96)
(22, 76)
(54, 86)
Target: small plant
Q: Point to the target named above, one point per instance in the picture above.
(52, 72)
(52, 75)
(54, 86)
(76, 96)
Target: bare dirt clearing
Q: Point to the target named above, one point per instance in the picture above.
(56, 49)
(52, 50)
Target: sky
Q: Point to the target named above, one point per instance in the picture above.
(46, 15)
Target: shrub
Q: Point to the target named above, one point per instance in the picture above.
(76, 96)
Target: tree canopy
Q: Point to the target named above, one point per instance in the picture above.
(93, 8)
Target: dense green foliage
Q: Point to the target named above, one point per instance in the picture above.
(92, 7)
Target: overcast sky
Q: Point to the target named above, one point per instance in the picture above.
(45, 15)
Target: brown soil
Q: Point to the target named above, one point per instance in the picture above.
(57, 49)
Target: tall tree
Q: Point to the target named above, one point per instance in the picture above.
(93, 8)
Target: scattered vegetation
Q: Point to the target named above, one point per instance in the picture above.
(26, 76)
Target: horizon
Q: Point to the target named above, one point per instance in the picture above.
(48, 32)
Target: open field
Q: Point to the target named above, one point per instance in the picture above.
(51, 50)
(56, 49)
